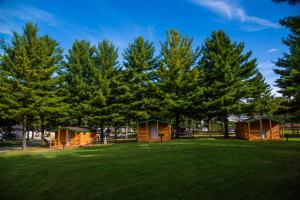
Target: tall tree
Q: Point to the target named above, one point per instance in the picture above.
(178, 73)
(48, 99)
(138, 75)
(82, 81)
(107, 68)
(226, 72)
(289, 66)
(260, 99)
(27, 69)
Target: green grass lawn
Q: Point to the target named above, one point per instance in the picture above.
(181, 169)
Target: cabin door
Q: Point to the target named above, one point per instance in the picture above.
(69, 138)
(154, 130)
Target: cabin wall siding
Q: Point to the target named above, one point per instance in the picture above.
(76, 138)
(273, 133)
(144, 132)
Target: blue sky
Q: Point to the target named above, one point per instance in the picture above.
(254, 22)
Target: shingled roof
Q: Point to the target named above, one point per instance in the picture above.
(75, 129)
(257, 119)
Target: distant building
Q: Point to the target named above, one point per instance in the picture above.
(17, 131)
(256, 129)
(72, 136)
(153, 130)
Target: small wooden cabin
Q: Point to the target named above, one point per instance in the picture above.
(153, 130)
(72, 137)
(259, 129)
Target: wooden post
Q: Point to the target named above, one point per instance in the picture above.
(260, 124)
(58, 137)
(170, 130)
(282, 129)
(271, 137)
(147, 130)
(66, 138)
(137, 132)
(249, 130)
(80, 138)
(157, 128)
(50, 140)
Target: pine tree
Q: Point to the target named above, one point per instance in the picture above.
(260, 99)
(48, 101)
(138, 75)
(178, 74)
(27, 69)
(289, 66)
(226, 71)
(107, 68)
(83, 82)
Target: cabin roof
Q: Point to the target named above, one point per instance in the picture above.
(155, 120)
(257, 119)
(75, 129)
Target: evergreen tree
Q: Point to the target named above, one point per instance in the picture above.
(226, 73)
(289, 66)
(107, 67)
(27, 69)
(83, 82)
(138, 77)
(178, 74)
(48, 100)
(260, 99)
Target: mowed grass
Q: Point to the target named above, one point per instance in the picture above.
(180, 169)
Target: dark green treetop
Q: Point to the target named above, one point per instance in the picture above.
(138, 78)
(226, 72)
(178, 73)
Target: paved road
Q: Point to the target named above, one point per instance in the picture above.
(31, 144)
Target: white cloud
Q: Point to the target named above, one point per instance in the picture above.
(232, 11)
(272, 50)
(14, 19)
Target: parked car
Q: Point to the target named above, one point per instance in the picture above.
(231, 130)
(183, 131)
(1, 137)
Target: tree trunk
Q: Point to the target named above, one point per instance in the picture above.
(79, 121)
(24, 133)
(43, 132)
(209, 127)
(115, 134)
(126, 131)
(260, 128)
(102, 133)
(226, 130)
(190, 133)
(32, 135)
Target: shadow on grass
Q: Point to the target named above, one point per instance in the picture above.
(180, 169)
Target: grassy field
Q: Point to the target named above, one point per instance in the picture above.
(181, 169)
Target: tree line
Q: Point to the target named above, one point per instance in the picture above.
(42, 87)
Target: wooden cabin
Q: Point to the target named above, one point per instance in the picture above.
(153, 131)
(72, 137)
(259, 129)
